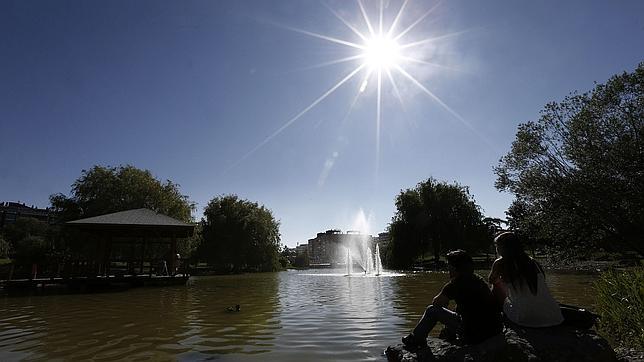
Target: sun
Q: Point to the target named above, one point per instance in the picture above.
(381, 53)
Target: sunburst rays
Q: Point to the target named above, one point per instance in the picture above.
(390, 67)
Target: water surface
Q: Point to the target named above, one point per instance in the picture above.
(285, 316)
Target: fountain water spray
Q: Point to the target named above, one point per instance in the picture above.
(368, 260)
(378, 261)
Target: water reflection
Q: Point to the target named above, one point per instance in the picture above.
(287, 316)
(150, 323)
(333, 317)
(214, 330)
(416, 291)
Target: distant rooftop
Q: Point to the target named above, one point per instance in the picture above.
(134, 219)
(17, 206)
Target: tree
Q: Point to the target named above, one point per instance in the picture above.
(578, 171)
(103, 190)
(239, 235)
(435, 215)
(5, 248)
(285, 257)
(29, 240)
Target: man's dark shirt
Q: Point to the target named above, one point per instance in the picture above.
(476, 305)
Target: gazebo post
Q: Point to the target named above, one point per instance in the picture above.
(108, 255)
(98, 260)
(131, 263)
(173, 254)
(142, 256)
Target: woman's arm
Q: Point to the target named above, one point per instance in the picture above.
(495, 273)
(498, 288)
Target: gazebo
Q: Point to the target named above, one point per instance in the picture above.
(140, 229)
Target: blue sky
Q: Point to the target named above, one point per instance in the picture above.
(190, 89)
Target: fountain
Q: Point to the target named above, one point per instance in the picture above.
(378, 261)
(368, 261)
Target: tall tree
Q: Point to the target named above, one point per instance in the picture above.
(5, 247)
(239, 235)
(102, 190)
(435, 215)
(578, 171)
(29, 240)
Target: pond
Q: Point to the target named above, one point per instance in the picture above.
(286, 316)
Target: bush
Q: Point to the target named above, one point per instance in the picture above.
(620, 302)
(5, 247)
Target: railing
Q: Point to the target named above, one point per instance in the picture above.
(86, 268)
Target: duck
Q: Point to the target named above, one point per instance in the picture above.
(236, 308)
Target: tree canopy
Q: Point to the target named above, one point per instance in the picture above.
(28, 241)
(435, 215)
(239, 235)
(578, 171)
(102, 190)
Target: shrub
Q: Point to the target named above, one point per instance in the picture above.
(5, 247)
(620, 302)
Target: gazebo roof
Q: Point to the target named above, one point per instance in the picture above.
(138, 221)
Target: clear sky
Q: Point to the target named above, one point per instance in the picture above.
(208, 93)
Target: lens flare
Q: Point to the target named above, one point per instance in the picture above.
(380, 53)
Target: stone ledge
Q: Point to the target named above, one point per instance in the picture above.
(517, 343)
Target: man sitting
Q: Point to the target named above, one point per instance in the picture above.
(477, 315)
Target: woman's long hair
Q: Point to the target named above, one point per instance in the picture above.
(517, 267)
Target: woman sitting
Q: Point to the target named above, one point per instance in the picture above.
(519, 282)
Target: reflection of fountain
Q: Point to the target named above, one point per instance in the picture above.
(378, 261)
(369, 262)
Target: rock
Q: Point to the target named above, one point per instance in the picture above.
(561, 343)
(629, 354)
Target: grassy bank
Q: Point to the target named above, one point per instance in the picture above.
(620, 302)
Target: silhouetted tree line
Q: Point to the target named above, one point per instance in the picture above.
(102, 190)
(239, 235)
(29, 241)
(578, 171)
(434, 217)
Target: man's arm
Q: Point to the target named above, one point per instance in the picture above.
(441, 300)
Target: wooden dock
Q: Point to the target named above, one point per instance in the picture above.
(89, 284)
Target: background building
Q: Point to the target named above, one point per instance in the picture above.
(329, 248)
(12, 211)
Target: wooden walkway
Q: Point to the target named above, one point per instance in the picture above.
(93, 283)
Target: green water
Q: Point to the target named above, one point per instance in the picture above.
(285, 316)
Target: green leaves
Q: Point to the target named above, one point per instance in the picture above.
(435, 215)
(578, 171)
(103, 190)
(620, 302)
(239, 235)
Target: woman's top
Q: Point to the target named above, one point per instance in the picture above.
(531, 310)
